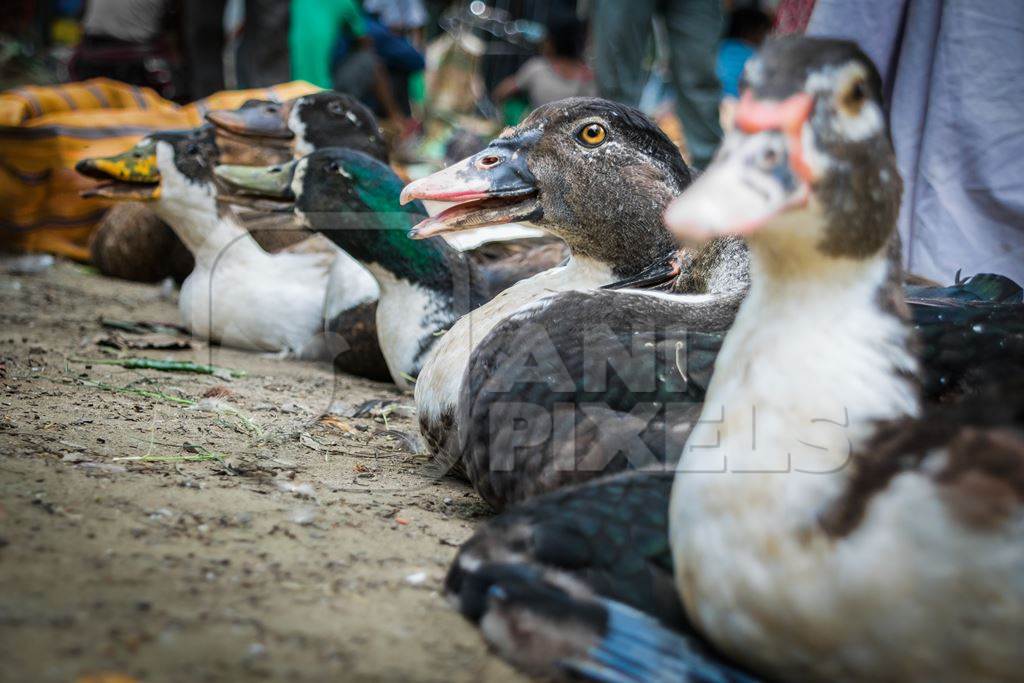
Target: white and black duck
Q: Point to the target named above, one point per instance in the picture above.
(594, 173)
(237, 294)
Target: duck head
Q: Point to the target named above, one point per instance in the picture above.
(809, 170)
(309, 122)
(327, 182)
(165, 165)
(349, 196)
(595, 173)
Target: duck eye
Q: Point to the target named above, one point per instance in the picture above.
(854, 97)
(192, 148)
(334, 107)
(592, 134)
(333, 167)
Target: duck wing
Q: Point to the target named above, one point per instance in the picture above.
(987, 287)
(972, 448)
(354, 345)
(584, 384)
(966, 345)
(579, 582)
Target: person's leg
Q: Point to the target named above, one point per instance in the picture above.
(263, 55)
(203, 28)
(694, 28)
(621, 35)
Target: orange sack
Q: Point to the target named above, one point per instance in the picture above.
(46, 130)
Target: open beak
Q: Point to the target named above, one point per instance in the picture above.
(759, 174)
(131, 176)
(267, 188)
(255, 118)
(492, 187)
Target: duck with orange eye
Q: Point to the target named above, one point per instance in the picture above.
(594, 173)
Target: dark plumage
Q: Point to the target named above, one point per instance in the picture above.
(132, 243)
(594, 173)
(590, 384)
(552, 579)
(536, 366)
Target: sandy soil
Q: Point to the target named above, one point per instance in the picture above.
(243, 537)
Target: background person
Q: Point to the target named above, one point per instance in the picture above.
(122, 40)
(558, 72)
(262, 58)
(334, 33)
(622, 34)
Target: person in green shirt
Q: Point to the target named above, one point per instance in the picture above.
(316, 25)
(315, 28)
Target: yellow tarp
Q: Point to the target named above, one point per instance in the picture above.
(46, 130)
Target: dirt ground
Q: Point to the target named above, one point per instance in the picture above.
(213, 530)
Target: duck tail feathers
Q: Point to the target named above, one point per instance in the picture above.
(638, 649)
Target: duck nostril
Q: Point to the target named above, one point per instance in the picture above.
(489, 161)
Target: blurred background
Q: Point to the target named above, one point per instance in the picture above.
(88, 77)
(408, 59)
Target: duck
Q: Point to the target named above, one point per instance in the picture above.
(594, 173)
(333, 119)
(237, 295)
(788, 582)
(543, 579)
(353, 199)
(302, 125)
(557, 581)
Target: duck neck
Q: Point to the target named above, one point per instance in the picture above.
(204, 230)
(381, 243)
(625, 250)
(819, 351)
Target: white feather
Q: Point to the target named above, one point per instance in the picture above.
(437, 388)
(238, 294)
(911, 594)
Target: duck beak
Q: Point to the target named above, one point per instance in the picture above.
(492, 187)
(255, 118)
(268, 188)
(759, 173)
(659, 275)
(131, 176)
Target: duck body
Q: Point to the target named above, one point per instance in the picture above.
(789, 555)
(549, 581)
(542, 174)
(782, 564)
(626, 370)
